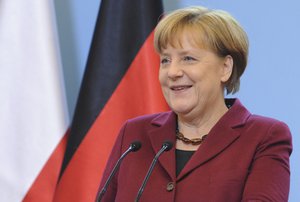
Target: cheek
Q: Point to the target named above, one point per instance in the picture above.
(162, 77)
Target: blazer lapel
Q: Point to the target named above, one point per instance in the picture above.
(219, 138)
(164, 129)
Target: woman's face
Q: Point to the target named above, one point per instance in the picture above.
(192, 78)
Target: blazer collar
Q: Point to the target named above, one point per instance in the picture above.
(165, 125)
(218, 139)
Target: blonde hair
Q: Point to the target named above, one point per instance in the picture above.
(215, 30)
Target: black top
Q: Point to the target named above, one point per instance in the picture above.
(182, 157)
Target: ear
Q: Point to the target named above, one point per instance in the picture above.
(227, 68)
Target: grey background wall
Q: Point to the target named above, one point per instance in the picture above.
(270, 85)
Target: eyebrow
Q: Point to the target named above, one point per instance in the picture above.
(181, 53)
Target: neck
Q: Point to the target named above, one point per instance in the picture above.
(197, 125)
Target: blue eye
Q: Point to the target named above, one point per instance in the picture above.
(164, 60)
(188, 58)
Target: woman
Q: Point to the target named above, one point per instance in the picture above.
(221, 151)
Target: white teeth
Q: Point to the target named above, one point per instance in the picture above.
(179, 87)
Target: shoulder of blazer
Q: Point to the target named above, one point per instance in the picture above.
(264, 121)
(156, 119)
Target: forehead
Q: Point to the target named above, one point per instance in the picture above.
(193, 37)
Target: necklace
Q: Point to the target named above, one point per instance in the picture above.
(194, 141)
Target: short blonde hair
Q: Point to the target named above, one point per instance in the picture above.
(215, 30)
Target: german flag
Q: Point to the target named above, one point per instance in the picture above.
(120, 82)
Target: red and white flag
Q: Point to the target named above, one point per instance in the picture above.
(33, 112)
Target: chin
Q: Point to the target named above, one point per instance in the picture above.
(181, 109)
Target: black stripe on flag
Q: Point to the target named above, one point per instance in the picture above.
(122, 27)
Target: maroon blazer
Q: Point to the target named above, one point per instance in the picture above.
(245, 157)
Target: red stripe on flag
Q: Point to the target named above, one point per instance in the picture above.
(44, 185)
(138, 93)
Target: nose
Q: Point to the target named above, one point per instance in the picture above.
(174, 71)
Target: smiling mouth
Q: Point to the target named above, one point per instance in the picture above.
(180, 88)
